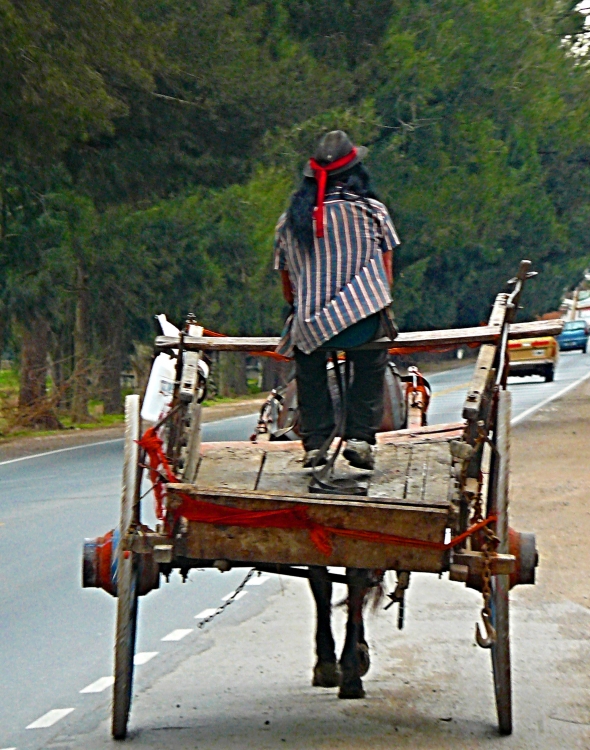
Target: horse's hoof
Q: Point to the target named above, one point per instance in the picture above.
(326, 674)
(352, 690)
(362, 652)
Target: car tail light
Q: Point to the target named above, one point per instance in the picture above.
(515, 345)
(542, 343)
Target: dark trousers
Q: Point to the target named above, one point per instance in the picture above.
(364, 397)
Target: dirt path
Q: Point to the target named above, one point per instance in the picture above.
(245, 683)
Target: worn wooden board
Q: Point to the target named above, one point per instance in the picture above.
(294, 546)
(431, 433)
(448, 337)
(412, 473)
(481, 382)
(230, 468)
(416, 474)
(284, 472)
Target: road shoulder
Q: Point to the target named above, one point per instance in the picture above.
(33, 444)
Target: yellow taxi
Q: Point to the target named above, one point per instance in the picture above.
(533, 357)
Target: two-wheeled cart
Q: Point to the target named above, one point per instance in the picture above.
(437, 500)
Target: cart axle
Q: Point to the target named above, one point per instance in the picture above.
(100, 565)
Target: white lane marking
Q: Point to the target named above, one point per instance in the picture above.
(101, 684)
(230, 419)
(258, 581)
(177, 635)
(549, 399)
(206, 613)
(234, 595)
(105, 442)
(7, 748)
(143, 657)
(50, 718)
(60, 450)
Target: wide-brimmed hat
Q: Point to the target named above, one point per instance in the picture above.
(334, 146)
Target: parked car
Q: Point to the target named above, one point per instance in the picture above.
(533, 357)
(574, 335)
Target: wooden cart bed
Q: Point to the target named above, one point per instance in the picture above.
(410, 495)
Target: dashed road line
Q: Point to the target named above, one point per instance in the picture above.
(143, 657)
(97, 687)
(257, 580)
(234, 596)
(50, 718)
(206, 613)
(177, 635)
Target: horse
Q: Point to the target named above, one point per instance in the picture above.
(354, 660)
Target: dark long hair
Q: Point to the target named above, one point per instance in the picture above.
(300, 212)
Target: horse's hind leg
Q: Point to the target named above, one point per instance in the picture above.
(326, 672)
(354, 665)
(362, 648)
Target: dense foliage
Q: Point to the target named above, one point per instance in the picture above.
(147, 149)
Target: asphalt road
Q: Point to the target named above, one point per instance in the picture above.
(56, 639)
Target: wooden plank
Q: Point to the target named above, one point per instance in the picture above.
(502, 564)
(439, 483)
(448, 337)
(294, 546)
(535, 328)
(433, 433)
(237, 465)
(230, 467)
(426, 434)
(283, 471)
(389, 475)
(498, 315)
(480, 382)
(416, 475)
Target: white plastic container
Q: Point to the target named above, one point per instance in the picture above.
(159, 390)
(160, 386)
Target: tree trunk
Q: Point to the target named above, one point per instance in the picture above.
(274, 373)
(34, 408)
(111, 335)
(81, 350)
(232, 379)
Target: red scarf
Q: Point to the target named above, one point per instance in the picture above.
(321, 175)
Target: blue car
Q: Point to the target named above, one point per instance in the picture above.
(574, 335)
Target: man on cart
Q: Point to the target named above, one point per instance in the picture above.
(334, 248)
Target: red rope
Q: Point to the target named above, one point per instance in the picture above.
(321, 176)
(152, 445)
(297, 517)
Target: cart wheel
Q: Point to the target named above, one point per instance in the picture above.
(127, 579)
(501, 584)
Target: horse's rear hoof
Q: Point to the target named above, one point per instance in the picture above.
(362, 651)
(326, 674)
(352, 690)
